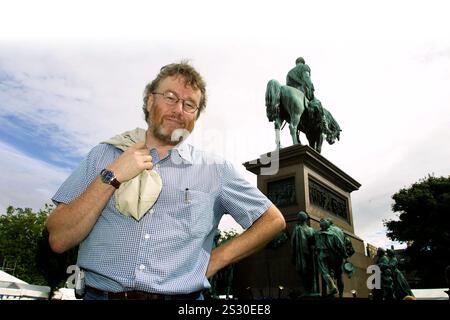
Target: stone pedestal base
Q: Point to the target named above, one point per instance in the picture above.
(305, 180)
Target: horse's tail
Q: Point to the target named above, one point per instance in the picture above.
(331, 121)
(273, 94)
(333, 125)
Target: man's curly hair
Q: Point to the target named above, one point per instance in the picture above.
(191, 76)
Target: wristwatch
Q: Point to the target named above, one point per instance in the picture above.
(109, 177)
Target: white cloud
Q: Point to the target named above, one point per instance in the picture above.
(26, 182)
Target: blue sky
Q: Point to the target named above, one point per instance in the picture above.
(35, 141)
(382, 69)
(29, 117)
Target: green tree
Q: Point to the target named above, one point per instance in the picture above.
(20, 230)
(24, 248)
(424, 223)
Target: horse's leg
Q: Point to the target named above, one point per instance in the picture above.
(311, 140)
(319, 142)
(277, 134)
(293, 128)
(277, 138)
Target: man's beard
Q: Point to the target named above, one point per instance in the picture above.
(157, 130)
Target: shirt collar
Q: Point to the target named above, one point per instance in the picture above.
(183, 150)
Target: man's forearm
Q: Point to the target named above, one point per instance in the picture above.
(253, 239)
(70, 223)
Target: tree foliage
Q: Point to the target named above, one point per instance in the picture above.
(20, 230)
(424, 223)
(25, 251)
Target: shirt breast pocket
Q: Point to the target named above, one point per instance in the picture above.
(197, 212)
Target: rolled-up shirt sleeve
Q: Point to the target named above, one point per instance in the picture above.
(244, 202)
(81, 177)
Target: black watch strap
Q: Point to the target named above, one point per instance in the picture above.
(115, 183)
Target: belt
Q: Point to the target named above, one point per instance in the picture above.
(142, 295)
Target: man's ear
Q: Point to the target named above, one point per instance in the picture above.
(149, 102)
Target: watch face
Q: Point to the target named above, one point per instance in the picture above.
(107, 176)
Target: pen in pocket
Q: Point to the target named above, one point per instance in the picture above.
(186, 195)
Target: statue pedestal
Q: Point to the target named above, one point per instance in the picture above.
(305, 180)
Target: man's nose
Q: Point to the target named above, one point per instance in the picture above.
(178, 107)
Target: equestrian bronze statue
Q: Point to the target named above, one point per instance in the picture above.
(285, 104)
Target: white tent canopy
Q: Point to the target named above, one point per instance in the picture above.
(7, 277)
(12, 288)
(430, 294)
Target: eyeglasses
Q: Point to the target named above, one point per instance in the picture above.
(172, 99)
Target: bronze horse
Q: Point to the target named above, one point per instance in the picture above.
(288, 104)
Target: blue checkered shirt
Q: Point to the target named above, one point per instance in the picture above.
(169, 249)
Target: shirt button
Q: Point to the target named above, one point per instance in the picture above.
(147, 236)
(141, 267)
(156, 166)
(152, 210)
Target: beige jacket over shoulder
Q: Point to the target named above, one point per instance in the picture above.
(136, 196)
